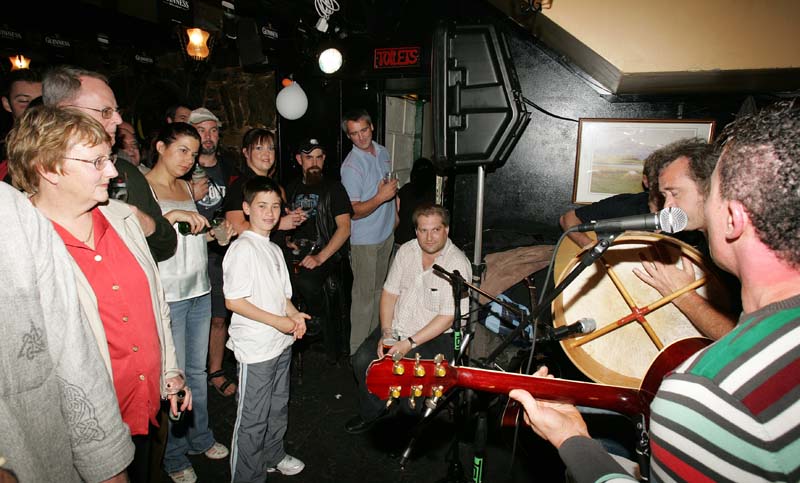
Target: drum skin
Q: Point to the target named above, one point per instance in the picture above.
(622, 355)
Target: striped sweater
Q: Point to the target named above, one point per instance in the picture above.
(729, 413)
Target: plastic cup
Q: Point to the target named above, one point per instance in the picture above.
(220, 232)
(388, 343)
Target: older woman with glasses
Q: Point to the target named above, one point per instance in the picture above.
(62, 159)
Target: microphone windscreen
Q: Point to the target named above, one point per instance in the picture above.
(672, 219)
(588, 324)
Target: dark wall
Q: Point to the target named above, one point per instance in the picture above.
(525, 197)
(328, 98)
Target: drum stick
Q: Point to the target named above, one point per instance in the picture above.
(669, 298)
(652, 333)
(618, 283)
(638, 313)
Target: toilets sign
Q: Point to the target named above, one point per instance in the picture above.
(394, 57)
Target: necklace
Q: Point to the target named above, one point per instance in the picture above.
(89, 236)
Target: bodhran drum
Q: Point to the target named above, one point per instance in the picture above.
(634, 321)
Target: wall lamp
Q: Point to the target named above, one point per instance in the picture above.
(19, 62)
(198, 47)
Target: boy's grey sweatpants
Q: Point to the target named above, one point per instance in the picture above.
(261, 418)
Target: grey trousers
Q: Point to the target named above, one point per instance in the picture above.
(261, 418)
(370, 264)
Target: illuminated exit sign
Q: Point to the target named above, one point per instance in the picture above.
(393, 57)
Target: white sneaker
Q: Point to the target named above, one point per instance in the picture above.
(288, 466)
(184, 476)
(217, 452)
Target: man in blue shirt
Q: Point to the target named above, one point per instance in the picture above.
(364, 176)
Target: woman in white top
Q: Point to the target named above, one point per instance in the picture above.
(187, 289)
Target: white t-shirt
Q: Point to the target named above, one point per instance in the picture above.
(254, 269)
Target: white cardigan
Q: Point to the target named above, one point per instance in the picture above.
(125, 223)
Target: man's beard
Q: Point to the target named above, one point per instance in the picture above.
(207, 151)
(313, 177)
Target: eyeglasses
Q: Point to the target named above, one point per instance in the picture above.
(106, 113)
(99, 162)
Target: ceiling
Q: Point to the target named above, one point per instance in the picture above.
(680, 46)
(627, 46)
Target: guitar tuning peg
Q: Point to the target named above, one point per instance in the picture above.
(397, 357)
(416, 391)
(394, 393)
(419, 369)
(438, 391)
(438, 359)
(398, 368)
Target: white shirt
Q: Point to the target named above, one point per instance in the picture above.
(254, 269)
(423, 294)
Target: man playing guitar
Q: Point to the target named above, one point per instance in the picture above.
(729, 413)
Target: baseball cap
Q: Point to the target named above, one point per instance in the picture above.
(201, 114)
(309, 145)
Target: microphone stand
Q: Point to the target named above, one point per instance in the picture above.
(603, 242)
(433, 405)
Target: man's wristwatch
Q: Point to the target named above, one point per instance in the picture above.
(413, 344)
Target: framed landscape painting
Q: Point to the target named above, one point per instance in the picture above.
(611, 152)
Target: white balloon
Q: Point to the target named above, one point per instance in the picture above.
(292, 102)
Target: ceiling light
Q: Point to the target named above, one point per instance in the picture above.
(330, 60)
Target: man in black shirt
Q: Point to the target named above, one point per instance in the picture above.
(209, 194)
(319, 244)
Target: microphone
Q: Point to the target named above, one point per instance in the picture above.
(583, 326)
(441, 270)
(668, 220)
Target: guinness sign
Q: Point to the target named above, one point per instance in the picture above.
(175, 11)
(7, 34)
(56, 42)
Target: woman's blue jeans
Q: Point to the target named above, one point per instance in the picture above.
(191, 321)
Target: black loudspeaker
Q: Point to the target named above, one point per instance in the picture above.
(478, 113)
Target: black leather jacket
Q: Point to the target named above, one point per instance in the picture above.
(325, 222)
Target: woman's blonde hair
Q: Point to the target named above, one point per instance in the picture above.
(41, 138)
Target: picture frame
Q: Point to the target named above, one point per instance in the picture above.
(611, 152)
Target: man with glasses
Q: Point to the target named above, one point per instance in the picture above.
(67, 86)
(210, 193)
(371, 192)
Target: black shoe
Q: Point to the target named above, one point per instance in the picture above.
(357, 425)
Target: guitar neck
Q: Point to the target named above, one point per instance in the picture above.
(620, 399)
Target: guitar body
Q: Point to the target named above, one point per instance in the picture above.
(424, 378)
